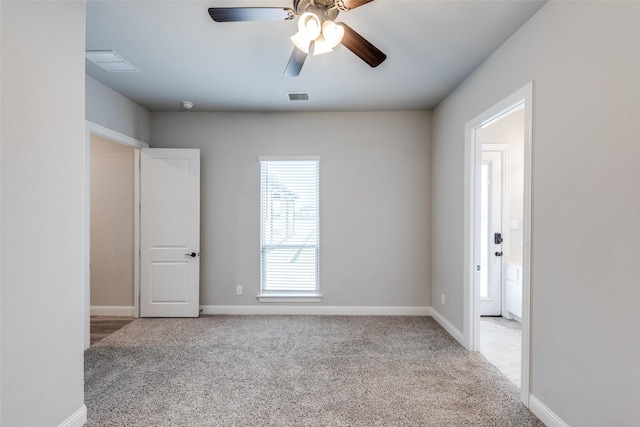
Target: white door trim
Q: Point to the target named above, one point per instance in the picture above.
(113, 135)
(471, 326)
(92, 128)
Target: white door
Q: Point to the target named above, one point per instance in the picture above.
(169, 232)
(491, 234)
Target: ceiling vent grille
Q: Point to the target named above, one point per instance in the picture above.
(109, 61)
(299, 96)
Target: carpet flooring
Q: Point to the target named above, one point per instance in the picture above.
(294, 371)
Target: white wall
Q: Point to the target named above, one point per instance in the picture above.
(41, 272)
(112, 223)
(374, 196)
(112, 110)
(585, 60)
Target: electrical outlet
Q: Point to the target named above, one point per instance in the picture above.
(442, 299)
(239, 290)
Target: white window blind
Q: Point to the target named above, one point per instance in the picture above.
(289, 212)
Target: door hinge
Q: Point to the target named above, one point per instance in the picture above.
(477, 268)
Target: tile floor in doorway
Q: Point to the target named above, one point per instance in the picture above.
(501, 344)
(101, 326)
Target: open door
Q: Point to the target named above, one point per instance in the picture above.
(169, 232)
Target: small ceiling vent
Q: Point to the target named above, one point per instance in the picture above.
(299, 96)
(109, 61)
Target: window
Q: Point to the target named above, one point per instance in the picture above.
(289, 217)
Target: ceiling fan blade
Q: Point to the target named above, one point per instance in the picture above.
(236, 14)
(352, 4)
(361, 47)
(295, 63)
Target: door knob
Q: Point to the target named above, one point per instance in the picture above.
(192, 254)
(498, 253)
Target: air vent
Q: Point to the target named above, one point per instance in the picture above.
(300, 96)
(109, 61)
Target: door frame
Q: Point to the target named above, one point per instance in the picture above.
(504, 195)
(473, 149)
(92, 128)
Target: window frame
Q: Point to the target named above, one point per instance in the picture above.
(283, 296)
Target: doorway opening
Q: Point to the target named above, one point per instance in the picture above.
(501, 210)
(111, 266)
(498, 152)
(112, 227)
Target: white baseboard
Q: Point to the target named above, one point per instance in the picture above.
(453, 331)
(318, 310)
(112, 310)
(546, 415)
(77, 419)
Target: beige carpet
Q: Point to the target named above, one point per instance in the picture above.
(294, 371)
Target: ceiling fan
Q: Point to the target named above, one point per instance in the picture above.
(317, 31)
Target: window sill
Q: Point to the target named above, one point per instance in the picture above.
(289, 298)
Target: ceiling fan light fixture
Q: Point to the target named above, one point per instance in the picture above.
(301, 42)
(332, 33)
(317, 31)
(309, 26)
(331, 37)
(309, 29)
(321, 46)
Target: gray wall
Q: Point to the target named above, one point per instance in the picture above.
(112, 110)
(41, 211)
(112, 223)
(585, 60)
(374, 196)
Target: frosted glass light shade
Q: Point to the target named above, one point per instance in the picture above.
(309, 25)
(309, 29)
(321, 46)
(301, 42)
(331, 37)
(332, 32)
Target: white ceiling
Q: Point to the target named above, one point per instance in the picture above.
(182, 54)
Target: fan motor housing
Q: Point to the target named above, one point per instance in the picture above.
(324, 9)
